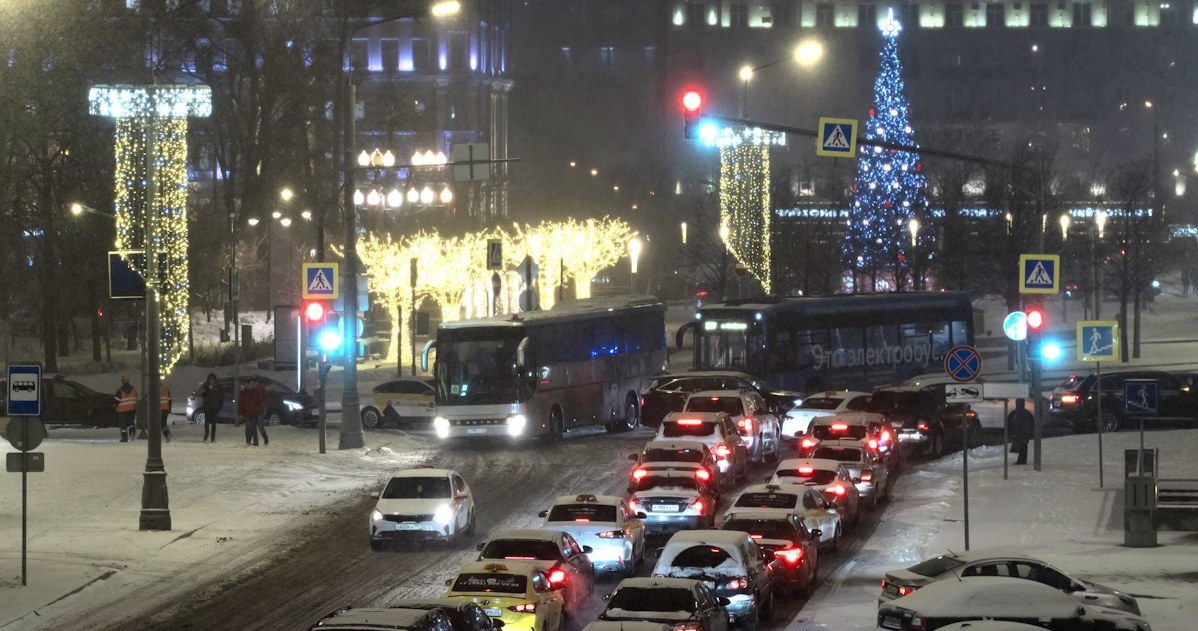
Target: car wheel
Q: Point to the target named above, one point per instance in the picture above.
(198, 417)
(378, 545)
(775, 453)
(1110, 422)
(371, 417)
(766, 612)
(936, 450)
(273, 418)
(836, 535)
(470, 524)
(873, 501)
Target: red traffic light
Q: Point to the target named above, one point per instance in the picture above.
(692, 100)
(314, 311)
(1035, 319)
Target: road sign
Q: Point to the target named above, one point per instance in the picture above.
(963, 392)
(1004, 390)
(24, 390)
(1039, 273)
(321, 280)
(25, 432)
(1015, 326)
(837, 137)
(963, 363)
(32, 462)
(471, 162)
(1141, 397)
(1098, 341)
(126, 274)
(494, 254)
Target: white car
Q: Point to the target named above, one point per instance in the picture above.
(673, 500)
(615, 534)
(830, 477)
(756, 425)
(810, 504)
(829, 403)
(420, 504)
(718, 432)
(868, 468)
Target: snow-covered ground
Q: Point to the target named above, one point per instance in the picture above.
(227, 499)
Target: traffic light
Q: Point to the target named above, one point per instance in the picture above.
(692, 111)
(1035, 330)
(315, 312)
(329, 336)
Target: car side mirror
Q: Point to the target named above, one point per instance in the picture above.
(607, 597)
(374, 495)
(657, 553)
(641, 515)
(634, 457)
(480, 546)
(816, 532)
(724, 602)
(448, 582)
(543, 513)
(587, 549)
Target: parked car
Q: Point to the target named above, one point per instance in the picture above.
(830, 403)
(683, 604)
(1176, 404)
(924, 421)
(667, 393)
(284, 406)
(755, 424)
(727, 560)
(954, 565)
(403, 401)
(419, 504)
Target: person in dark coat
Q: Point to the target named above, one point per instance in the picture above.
(251, 405)
(1020, 424)
(214, 400)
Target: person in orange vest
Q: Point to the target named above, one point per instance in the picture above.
(126, 407)
(164, 395)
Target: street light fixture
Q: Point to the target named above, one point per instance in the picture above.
(1064, 226)
(805, 54)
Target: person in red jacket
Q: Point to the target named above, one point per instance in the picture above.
(251, 405)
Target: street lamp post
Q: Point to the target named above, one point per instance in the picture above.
(634, 255)
(913, 228)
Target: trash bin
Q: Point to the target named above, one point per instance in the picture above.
(1131, 462)
(1139, 502)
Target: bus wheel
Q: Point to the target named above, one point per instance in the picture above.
(632, 414)
(557, 424)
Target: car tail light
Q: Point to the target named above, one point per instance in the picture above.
(746, 424)
(917, 623)
(836, 489)
(1069, 399)
(642, 401)
(639, 473)
(872, 444)
(557, 576)
(791, 556)
(840, 427)
(722, 451)
(806, 471)
(922, 426)
(808, 443)
(866, 475)
(582, 520)
(525, 608)
(702, 474)
(635, 506)
(690, 422)
(739, 582)
(611, 534)
(685, 626)
(754, 536)
(698, 505)
(903, 590)
(885, 436)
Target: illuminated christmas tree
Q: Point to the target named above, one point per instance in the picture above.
(889, 190)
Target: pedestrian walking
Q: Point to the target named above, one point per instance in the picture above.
(251, 403)
(164, 397)
(1019, 427)
(214, 400)
(126, 407)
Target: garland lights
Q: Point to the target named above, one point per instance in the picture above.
(745, 206)
(889, 190)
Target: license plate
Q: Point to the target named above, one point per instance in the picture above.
(890, 622)
(665, 508)
(407, 526)
(494, 612)
(476, 430)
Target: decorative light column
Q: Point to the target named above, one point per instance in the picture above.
(151, 194)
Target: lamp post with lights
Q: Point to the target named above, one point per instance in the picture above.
(805, 54)
(634, 255)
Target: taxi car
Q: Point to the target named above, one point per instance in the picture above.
(684, 604)
(871, 428)
(416, 614)
(816, 510)
(517, 592)
(783, 534)
(615, 534)
(866, 467)
(830, 477)
(673, 500)
(718, 432)
(829, 403)
(658, 454)
(407, 400)
(566, 563)
(422, 503)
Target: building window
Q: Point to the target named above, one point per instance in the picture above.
(607, 57)
(1039, 14)
(390, 55)
(867, 16)
(996, 15)
(1170, 16)
(422, 60)
(1081, 14)
(458, 51)
(738, 15)
(358, 55)
(782, 14)
(954, 14)
(909, 14)
(823, 14)
(696, 14)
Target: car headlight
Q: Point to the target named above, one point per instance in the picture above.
(443, 515)
(375, 515)
(516, 423)
(294, 406)
(441, 426)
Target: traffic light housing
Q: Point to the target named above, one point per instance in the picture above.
(314, 314)
(1035, 331)
(329, 335)
(692, 112)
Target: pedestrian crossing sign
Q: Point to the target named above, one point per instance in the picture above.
(1097, 341)
(321, 281)
(837, 137)
(1039, 273)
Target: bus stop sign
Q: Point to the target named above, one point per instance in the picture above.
(963, 363)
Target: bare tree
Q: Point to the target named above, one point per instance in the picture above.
(1139, 228)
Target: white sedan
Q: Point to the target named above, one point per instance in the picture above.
(615, 534)
(421, 504)
(829, 403)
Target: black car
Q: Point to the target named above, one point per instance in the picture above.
(924, 421)
(668, 393)
(67, 402)
(284, 406)
(1176, 403)
(786, 537)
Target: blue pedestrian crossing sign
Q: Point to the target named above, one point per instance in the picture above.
(837, 137)
(1141, 397)
(1097, 341)
(320, 281)
(1039, 273)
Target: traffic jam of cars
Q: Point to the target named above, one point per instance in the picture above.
(730, 509)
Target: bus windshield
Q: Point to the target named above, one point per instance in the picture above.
(478, 366)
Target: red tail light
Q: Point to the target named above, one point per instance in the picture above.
(922, 426)
(525, 608)
(1069, 399)
(642, 401)
(685, 626)
(702, 474)
(639, 473)
(722, 451)
(840, 427)
(746, 424)
(806, 471)
(903, 590)
(737, 583)
(808, 443)
(698, 505)
(611, 534)
(885, 436)
(872, 444)
(635, 506)
(754, 536)
(836, 489)
(791, 556)
(689, 422)
(557, 577)
(867, 475)
(581, 520)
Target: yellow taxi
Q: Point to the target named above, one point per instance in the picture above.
(517, 592)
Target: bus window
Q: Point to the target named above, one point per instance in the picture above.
(808, 341)
(961, 332)
(847, 339)
(782, 351)
(881, 336)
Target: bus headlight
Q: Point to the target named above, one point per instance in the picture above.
(515, 424)
(441, 426)
(443, 515)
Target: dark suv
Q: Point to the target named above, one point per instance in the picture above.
(1176, 404)
(923, 421)
(668, 393)
(68, 402)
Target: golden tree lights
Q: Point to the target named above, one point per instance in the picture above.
(745, 206)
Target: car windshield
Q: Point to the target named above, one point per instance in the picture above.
(820, 403)
(680, 430)
(803, 476)
(659, 482)
(935, 566)
(652, 599)
(498, 583)
(417, 488)
(582, 512)
(762, 528)
(531, 549)
(672, 455)
(690, 384)
(701, 556)
(890, 402)
(766, 500)
(730, 405)
(839, 431)
(843, 454)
